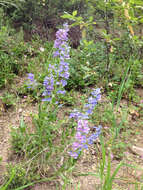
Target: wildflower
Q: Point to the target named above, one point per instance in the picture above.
(62, 51)
(82, 138)
(63, 82)
(92, 101)
(61, 92)
(93, 137)
(77, 115)
(73, 154)
(59, 73)
(62, 70)
(49, 87)
(76, 145)
(61, 40)
(46, 99)
(83, 126)
(31, 81)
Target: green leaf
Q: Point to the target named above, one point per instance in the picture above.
(10, 180)
(74, 13)
(68, 16)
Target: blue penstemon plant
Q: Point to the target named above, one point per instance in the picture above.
(58, 73)
(48, 125)
(55, 81)
(82, 137)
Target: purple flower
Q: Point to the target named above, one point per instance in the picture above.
(61, 92)
(77, 115)
(93, 100)
(76, 145)
(31, 81)
(83, 126)
(89, 111)
(61, 36)
(61, 45)
(93, 137)
(46, 99)
(85, 146)
(56, 53)
(65, 75)
(63, 82)
(96, 92)
(73, 154)
(61, 41)
(62, 51)
(82, 138)
(61, 70)
(49, 87)
(31, 76)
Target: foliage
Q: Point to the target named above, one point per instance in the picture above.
(7, 3)
(85, 67)
(12, 53)
(8, 99)
(116, 48)
(105, 176)
(42, 11)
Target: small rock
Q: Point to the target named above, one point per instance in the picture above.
(137, 150)
(20, 110)
(42, 49)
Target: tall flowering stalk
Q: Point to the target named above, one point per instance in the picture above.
(55, 82)
(59, 73)
(82, 137)
(62, 52)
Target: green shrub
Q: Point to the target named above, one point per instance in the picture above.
(12, 52)
(87, 65)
